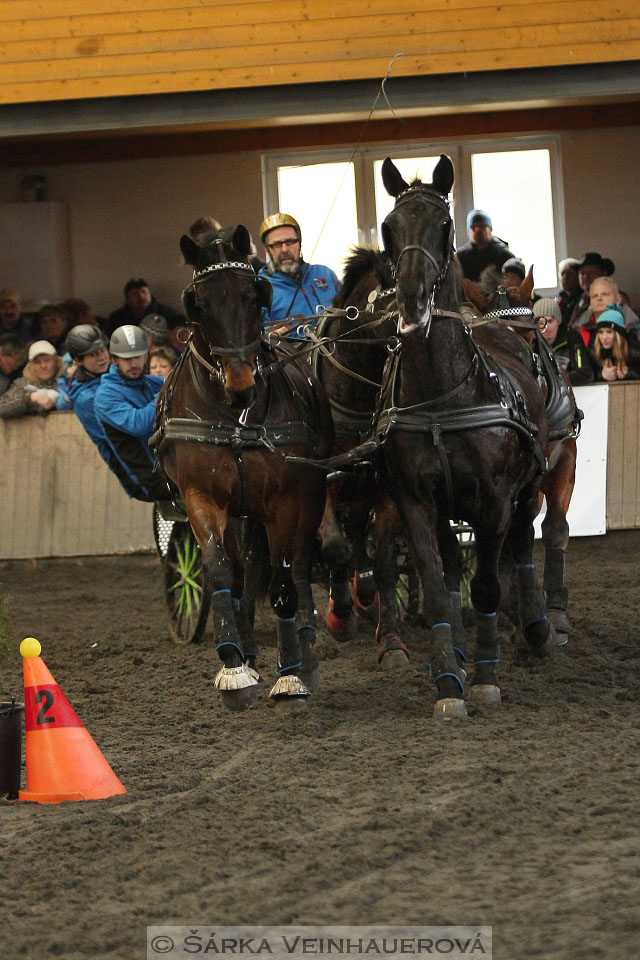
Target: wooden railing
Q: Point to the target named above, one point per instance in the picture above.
(58, 498)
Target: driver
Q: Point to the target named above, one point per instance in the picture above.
(298, 287)
(125, 405)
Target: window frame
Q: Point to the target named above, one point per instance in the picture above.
(460, 152)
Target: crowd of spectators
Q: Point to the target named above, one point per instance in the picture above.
(64, 357)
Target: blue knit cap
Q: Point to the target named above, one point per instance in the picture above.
(477, 214)
(613, 318)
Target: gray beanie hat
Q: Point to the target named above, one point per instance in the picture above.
(546, 307)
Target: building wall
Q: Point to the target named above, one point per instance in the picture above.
(126, 218)
(68, 49)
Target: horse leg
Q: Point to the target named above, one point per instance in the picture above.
(289, 692)
(485, 596)
(420, 521)
(307, 632)
(452, 567)
(365, 591)
(237, 686)
(537, 628)
(392, 652)
(340, 618)
(557, 487)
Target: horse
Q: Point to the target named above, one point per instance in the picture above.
(463, 432)
(352, 349)
(228, 416)
(564, 416)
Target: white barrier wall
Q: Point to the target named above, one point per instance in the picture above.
(58, 497)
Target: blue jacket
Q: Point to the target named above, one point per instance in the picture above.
(125, 410)
(80, 398)
(316, 285)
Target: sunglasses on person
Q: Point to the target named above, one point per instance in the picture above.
(279, 244)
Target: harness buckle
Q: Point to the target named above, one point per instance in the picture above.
(264, 439)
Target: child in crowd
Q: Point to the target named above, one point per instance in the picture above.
(36, 391)
(161, 361)
(610, 349)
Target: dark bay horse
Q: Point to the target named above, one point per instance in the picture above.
(227, 418)
(465, 434)
(564, 418)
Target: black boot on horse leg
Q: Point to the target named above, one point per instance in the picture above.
(484, 685)
(307, 630)
(452, 567)
(238, 685)
(244, 625)
(538, 630)
(557, 594)
(288, 692)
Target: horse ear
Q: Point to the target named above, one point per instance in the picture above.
(525, 290)
(386, 239)
(189, 250)
(443, 175)
(392, 178)
(241, 240)
(474, 295)
(265, 292)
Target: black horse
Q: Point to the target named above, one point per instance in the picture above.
(354, 339)
(464, 431)
(228, 415)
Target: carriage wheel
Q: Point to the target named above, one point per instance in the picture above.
(187, 601)
(408, 585)
(467, 543)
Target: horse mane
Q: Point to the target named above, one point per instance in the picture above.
(361, 262)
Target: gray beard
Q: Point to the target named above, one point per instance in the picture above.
(290, 269)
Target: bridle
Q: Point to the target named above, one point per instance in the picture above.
(241, 268)
(427, 195)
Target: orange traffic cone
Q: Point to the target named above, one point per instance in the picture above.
(63, 761)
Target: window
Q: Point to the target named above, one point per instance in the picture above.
(339, 200)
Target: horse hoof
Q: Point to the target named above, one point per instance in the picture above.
(561, 638)
(342, 629)
(560, 621)
(289, 705)
(449, 708)
(288, 687)
(237, 700)
(393, 660)
(485, 693)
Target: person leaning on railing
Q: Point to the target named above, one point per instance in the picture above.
(36, 391)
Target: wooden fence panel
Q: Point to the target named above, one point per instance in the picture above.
(58, 497)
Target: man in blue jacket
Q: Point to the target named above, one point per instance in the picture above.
(89, 352)
(125, 405)
(298, 287)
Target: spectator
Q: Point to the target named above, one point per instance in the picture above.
(567, 344)
(570, 290)
(482, 249)
(86, 345)
(513, 273)
(161, 361)
(204, 225)
(589, 269)
(298, 287)
(139, 303)
(36, 391)
(13, 357)
(156, 330)
(613, 359)
(125, 405)
(53, 323)
(603, 292)
(12, 320)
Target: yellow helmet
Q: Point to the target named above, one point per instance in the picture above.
(279, 220)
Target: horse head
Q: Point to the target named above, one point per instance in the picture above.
(418, 237)
(505, 304)
(223, 305)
